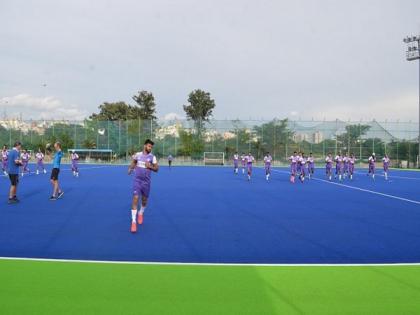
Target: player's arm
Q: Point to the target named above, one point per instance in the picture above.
(132, 166)
(154, 165)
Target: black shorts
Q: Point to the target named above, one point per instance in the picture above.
(54, 173)
(14, 179)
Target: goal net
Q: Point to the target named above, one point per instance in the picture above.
(93, 155)
(214, 158)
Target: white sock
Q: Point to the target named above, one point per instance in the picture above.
(133, 215)
(142, 209)
(386, 175)
(373, 176)
(339, 177)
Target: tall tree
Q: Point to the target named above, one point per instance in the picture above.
(146, 106)
(353, 134)
(200, 108)
(114, 111)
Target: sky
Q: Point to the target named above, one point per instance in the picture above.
(259, 59)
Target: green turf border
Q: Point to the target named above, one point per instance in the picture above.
(36, 287)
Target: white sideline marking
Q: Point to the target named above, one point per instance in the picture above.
(392, 176)
(361, 189)
(204, 264)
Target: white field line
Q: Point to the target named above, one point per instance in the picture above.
(204, 264)
(360, 189)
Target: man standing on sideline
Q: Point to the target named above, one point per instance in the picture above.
(170, 159)
(57, 192)
(14, 163)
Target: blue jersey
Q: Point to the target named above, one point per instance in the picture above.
(13, 155)
(57, 159)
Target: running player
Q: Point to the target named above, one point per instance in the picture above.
(386, 162)
(328, 166)
(57, 192)
(311, 165)
(298, 165)
(293, 166)
(143, 163)
(345, 165)
(302, 164)
(351, 162)
(4, 159)
(40, 162)
(267, 165)
(14, 163)
(339, 167)
(25, 157)
(235, 162)
(170, 159)
(74, 163)
(243, 161)
(372, 166)
(249, 160)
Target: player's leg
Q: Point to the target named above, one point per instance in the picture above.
(14, 180)
(134, 205)
(145, 191)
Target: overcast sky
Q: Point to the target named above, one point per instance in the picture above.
(258, 59)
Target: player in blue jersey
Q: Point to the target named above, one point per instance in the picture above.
(57, 192)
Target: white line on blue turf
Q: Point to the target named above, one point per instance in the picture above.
(392, 176)
(360, 189)
(204, 264)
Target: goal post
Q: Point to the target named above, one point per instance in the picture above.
(93, 155)
(214, 158)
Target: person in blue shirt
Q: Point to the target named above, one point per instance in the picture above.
(57, 192)
(14, 163)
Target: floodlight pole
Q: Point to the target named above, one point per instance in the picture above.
(413, 53)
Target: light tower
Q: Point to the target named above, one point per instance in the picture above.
(413, 53)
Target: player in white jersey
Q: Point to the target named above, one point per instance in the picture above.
(74, 163)
(243, 162)
(4, 160)
(386, 163)
(235, 163)
(302, 164)
(40, 162)
(267, 165)
(328, 166)
(372, 165)
(311, 165)
(249, 160)
(293, 166)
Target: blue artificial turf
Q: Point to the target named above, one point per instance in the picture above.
(208, 214)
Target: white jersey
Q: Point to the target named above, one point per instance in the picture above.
(39, 156)
(249, 159)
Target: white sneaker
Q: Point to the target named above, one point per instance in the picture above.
(45, 171)
(37, 172)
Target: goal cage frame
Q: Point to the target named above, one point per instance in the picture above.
(89, 155)
(214, 158)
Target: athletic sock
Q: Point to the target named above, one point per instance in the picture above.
(142, 210)
(133, 215)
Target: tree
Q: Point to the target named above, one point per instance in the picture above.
(273, 136)
(146, 106)
(199, 109)
(117, 111)
(353, 134)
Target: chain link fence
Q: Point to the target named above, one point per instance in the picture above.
(187, 140)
